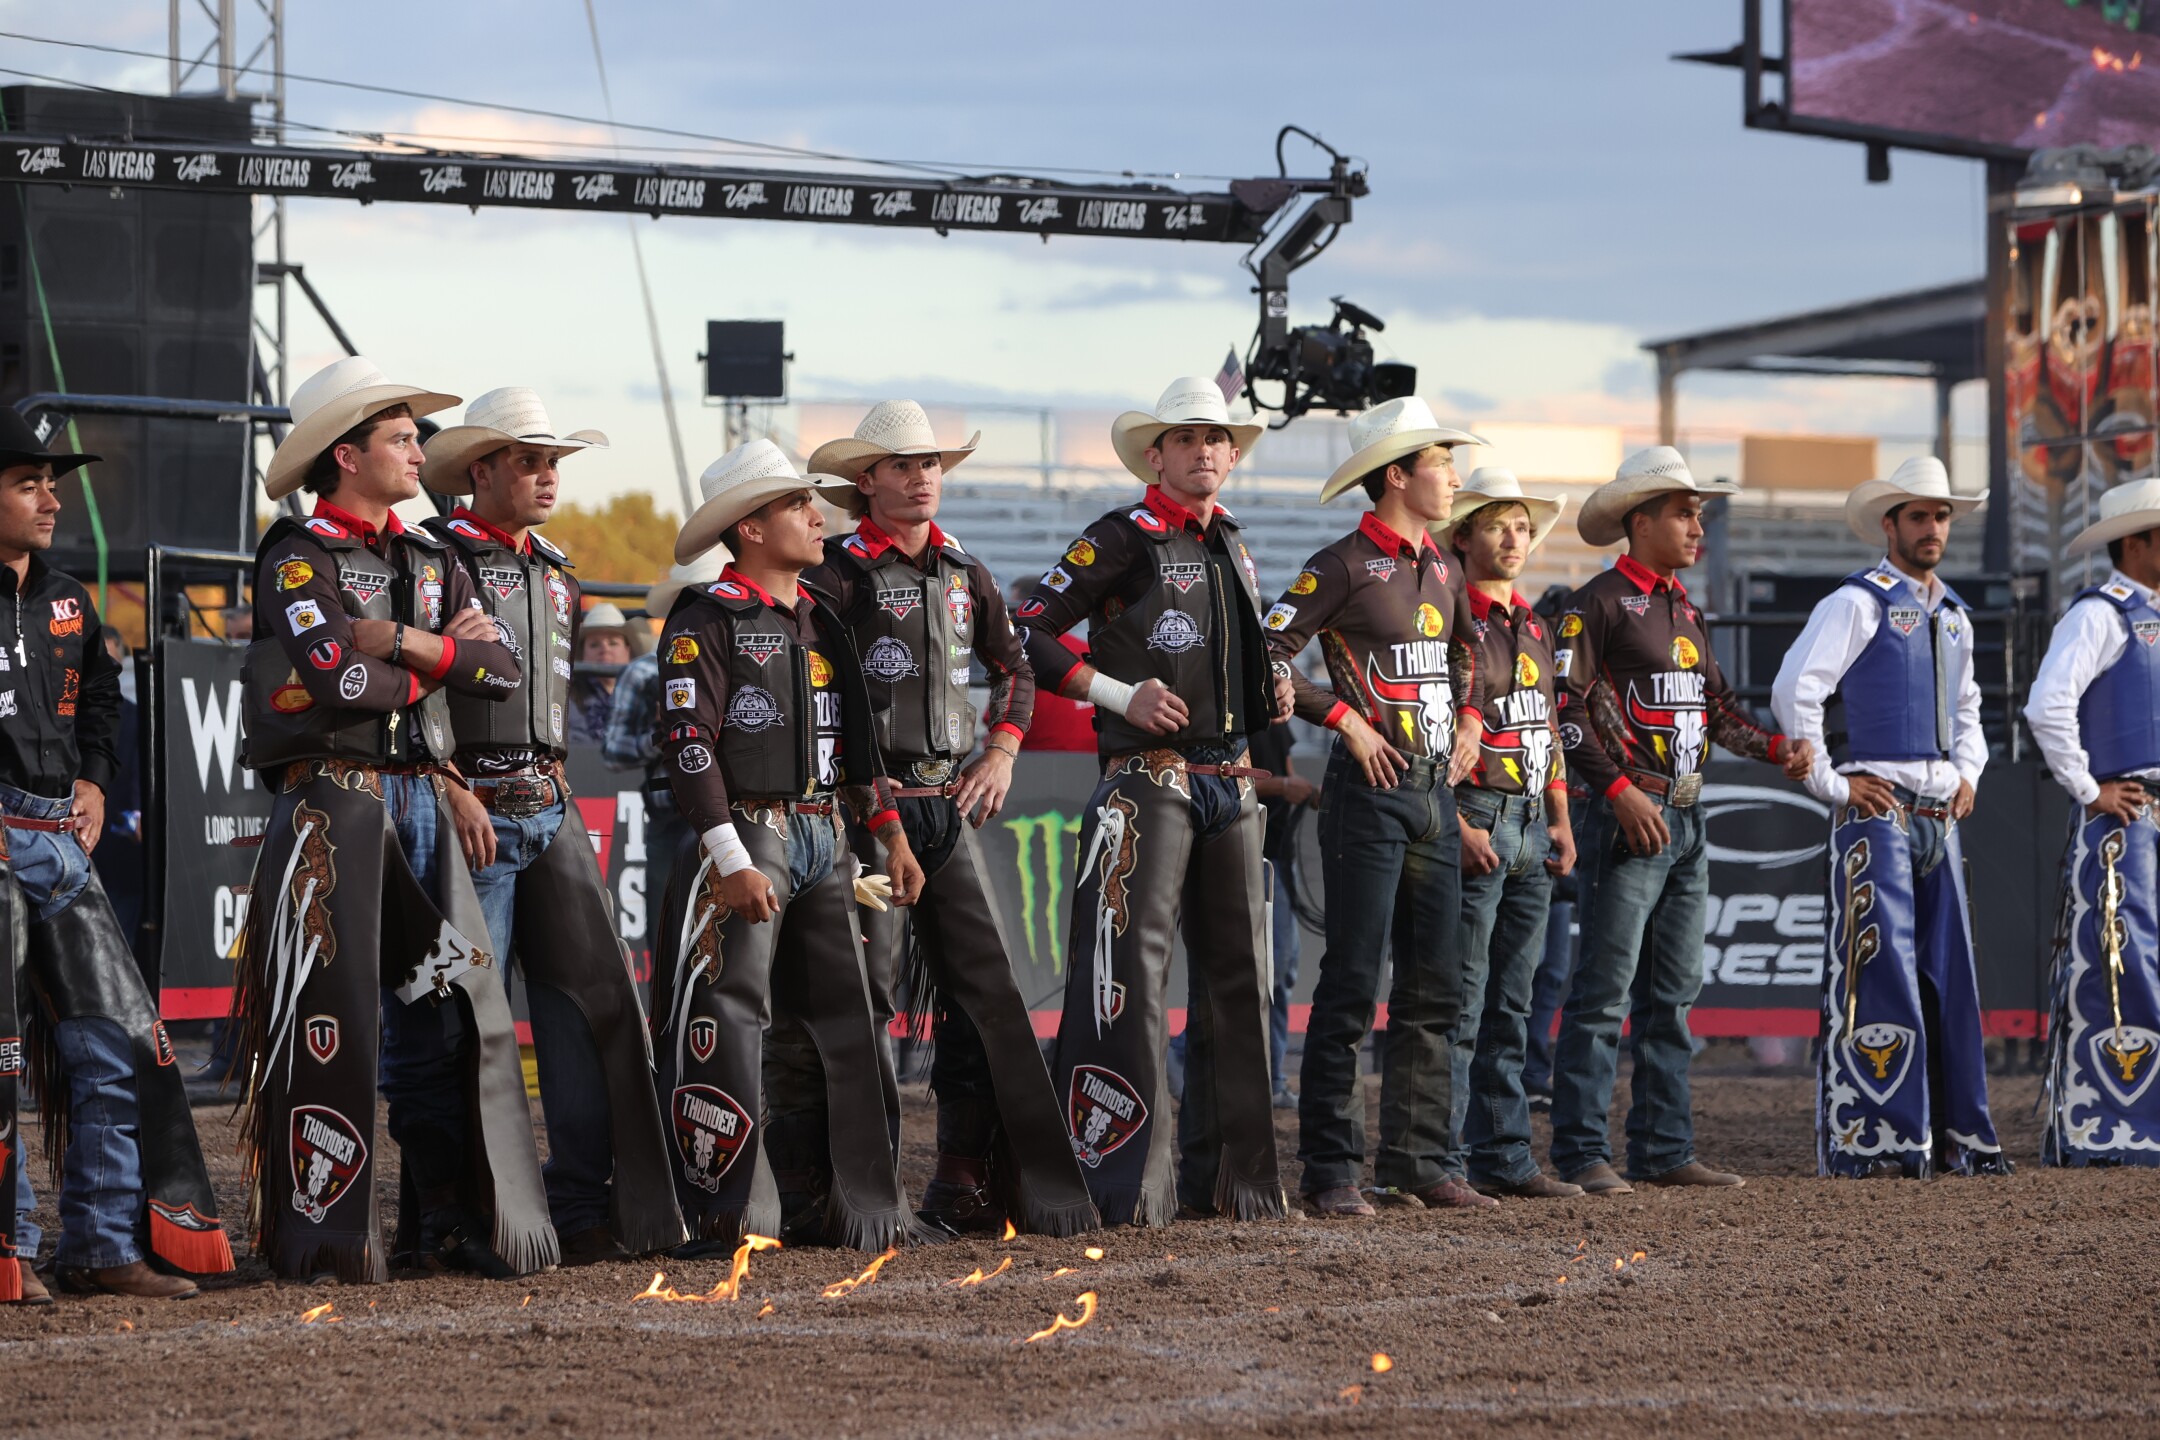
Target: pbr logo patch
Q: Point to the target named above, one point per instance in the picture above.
(889, 660)
(1183, 575)
(682, 649)
(363, 588)
(753, 709)
(1637, 605)
(704, 1037)
(711, 1130)
(1175, 632)
(504, 580)
(1879, 1057)
(1378, 569)
(760, 646)
(1906, 618)
(322, 1037)
(2147, 631)
(2125, 1061)
(901, 602)
(325, 654)
(327, 1156)
(1104, 1112)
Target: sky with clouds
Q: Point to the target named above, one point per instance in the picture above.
(1549, 189)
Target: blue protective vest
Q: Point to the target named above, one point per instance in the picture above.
(2119, 714)
(1897, 692)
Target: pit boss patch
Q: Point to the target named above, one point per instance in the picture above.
(1175, 632)
(711, 1130)
(889, 659)
(752, 709)
(327, 1155)
(1104, 1112)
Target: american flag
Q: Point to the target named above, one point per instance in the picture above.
(1231, 378)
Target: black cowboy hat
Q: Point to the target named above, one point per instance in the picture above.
(22, 444)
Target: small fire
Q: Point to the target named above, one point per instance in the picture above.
(1272, 1310)
(309, 1317)
(1382, 1362)
(1618, 1264)
(729, 1289)
(841, 1287)
(125, 1325)
(1350, 1394)
(1061, 1270)
(2104, 59)
(1059, 1322)
(1095, 1252)
(1638, 1255)
(978, 1277)
(1010, 1232)
(1560, 1280)
(521, 1304)
(766, 1311)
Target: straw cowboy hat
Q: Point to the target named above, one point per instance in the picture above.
(606, 618)
(2130, 509)
(1190, 400)
(509, 416)
(748, 476)
(1386, 433)
(698, 573)
(1645, 475)
(329, 403)
(893, 427)
(1920, 478)
(1490, 485)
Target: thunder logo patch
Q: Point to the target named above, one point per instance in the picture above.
(327, 1154)
(1104, 1111)
(711, 1131)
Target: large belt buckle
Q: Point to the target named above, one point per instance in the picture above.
(1686, 790)
(520, 797)
(930, 772)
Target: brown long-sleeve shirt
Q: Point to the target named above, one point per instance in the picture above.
(1395, 628)
(1641, 689)
(1521, 752)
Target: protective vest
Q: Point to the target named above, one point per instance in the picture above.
(917, 645)
(1899, 690)
(1179, 631)
(529, 596)
(284, 723)
(2119, 714)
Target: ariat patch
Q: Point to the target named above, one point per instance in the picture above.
(1104, 1111)
(711, 1131)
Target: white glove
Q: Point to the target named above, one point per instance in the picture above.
(873, 891)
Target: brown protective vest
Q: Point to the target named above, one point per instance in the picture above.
(530, 599)
(916, 644)
(406, 586)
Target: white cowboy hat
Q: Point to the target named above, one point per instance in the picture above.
(1645, 475)
(1489, 485)
(748, 476)
(1190, 400)
(508, 416)
(329, 403)
(1920, 478)
(606, 617)
(893, 427)
(696, 574)
(2130, 509)
(1386, 433)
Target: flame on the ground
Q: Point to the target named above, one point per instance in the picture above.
(309, 1317)
(2105, 59)
(125, 1325)
(1059, 1322)
(766, 1311)
(521, 1304)
(1350, 1394)
(1618, 1264)
(978, 1277)
(1560, 1280)
(728, 1289)
(1061, 1270)
(1638, 1255)
(1010, 1232)
(841, 1287)
(1382, 1362)
(1272, 1310)
(1095, 1252)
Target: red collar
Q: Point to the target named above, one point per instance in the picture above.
(494, 532)
(1384, 535)
(1647, 580)
(324, 510)
(1481, 604)
(731, 573)
(876, 542)
(1174, 514)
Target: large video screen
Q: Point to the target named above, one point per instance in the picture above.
(1977, 76)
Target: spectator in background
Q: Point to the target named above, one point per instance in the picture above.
(606, 639)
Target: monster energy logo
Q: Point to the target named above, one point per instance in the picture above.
(1039, 843)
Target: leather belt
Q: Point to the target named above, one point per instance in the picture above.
(924, 792)
(1246, 772)
(51, 827)
(1677, 791)
(794, 807)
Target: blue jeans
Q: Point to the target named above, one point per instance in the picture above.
(1503, 939)
(422, 1068)
(573, 1097)
(101, 1182)
(1642, 961)
(1547, 990)
(1284, 948)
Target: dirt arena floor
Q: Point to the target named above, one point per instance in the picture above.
(1793, 1306)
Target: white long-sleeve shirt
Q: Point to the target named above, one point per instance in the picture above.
(2088, 639)
(1841, 626)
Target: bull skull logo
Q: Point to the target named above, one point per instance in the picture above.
(2125, 1061)
(1879, 1056)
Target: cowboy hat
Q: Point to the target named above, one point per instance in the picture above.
(1386, 433)
(22, 444)
(697, 573)
(330, 402)
(1645, 475)
(893, 427)
(2126, 510)
(748, 476)
(1190, 400)
(606, 618)
(1920, 478)
(509, 416)
(1491, 485)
